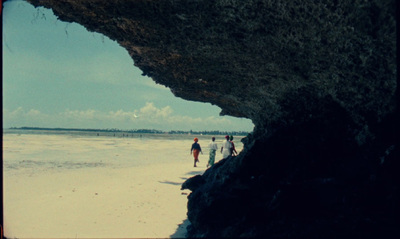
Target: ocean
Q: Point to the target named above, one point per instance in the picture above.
(55, 150)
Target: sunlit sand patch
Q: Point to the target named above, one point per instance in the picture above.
(62, 186)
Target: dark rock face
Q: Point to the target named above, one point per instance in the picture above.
(295, 184)
(318, 81)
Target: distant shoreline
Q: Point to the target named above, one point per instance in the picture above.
(140, 131)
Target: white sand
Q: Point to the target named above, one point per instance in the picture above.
(94, 187)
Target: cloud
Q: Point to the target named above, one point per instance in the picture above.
(13, 114)
(79, 114)
(149, 116)
(149, 111)
(34, 113)
(120, 115)
(20, 117)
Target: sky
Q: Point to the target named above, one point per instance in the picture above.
(58, 74)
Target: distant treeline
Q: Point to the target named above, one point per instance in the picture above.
(140, 131)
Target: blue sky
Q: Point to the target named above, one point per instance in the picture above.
(57, 74)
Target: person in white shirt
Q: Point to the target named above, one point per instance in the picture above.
(226, 148)
(213, 149)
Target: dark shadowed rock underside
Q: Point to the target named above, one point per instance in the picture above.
(318, 80)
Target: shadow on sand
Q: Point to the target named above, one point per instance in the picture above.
(194, 173)
(181, 230)
(170, 182)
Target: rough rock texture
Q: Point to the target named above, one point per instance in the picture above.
(318, 80)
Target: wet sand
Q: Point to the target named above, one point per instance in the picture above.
(84, 187)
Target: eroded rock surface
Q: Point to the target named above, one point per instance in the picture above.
(318, 80)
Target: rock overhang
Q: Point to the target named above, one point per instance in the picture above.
(257, 59)
(318, 81)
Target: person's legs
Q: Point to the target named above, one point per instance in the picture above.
(196, 156)
(212, 158)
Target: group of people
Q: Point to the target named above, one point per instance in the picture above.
(227, 149)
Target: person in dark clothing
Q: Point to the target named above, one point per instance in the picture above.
(233, 150)
(196, 149)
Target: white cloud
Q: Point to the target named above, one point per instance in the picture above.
(120, 115)
(13, 114)
(79, 114)
(34, 113)
(149, 116)
(149, 111)
(21, 117)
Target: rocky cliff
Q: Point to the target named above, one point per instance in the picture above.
(318, 80)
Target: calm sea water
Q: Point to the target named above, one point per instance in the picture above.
(34, 151)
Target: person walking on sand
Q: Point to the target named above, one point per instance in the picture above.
(196, 149)
(213, 149)
(226, 148)
(233, 150)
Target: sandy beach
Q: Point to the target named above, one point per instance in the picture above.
(61, 186)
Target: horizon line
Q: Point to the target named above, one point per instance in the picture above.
(129, 130)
